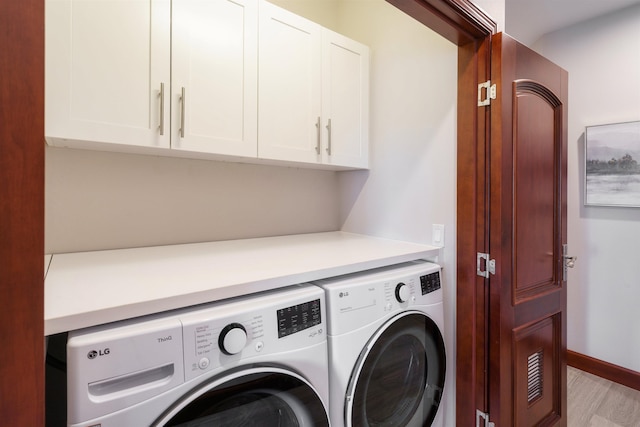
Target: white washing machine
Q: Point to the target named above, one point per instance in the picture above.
(386, 347)
(256, 360)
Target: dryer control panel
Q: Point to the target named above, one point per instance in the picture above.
(356, 300)
(430, 282)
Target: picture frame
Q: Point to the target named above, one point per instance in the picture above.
(612, 165)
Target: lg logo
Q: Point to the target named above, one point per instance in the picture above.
(95, 353)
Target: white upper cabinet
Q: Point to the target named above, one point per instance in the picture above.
(345, 101)
(117, 71)
(313, 92)
(105, 63)
(204, 78)
(290, 81)
(214, 67)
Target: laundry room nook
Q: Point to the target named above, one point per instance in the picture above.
(341, 213)
(166, 231)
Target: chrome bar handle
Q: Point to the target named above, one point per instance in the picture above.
(319, 134)
(182, 103)
(329, 137)
(161, 95)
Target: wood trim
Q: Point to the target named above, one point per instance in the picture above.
(603, 369)
(22, 207)
(459, 21)
(471, 235)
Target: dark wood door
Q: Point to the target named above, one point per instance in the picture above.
(528, 227)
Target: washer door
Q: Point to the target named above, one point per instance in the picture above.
(399, 377)
(264, 396)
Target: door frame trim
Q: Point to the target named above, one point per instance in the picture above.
(467, 26)
(22, 167)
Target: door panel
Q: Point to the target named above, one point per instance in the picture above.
(214, 64)
(289, 86)
(106, 62)
(527, 309)
(345, 101)
(536, 148)
(537, 372)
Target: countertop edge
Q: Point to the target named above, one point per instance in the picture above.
(58, 288)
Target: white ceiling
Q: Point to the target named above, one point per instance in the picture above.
(528, 20)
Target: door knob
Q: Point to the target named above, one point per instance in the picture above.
(567, 262)
(570, 261)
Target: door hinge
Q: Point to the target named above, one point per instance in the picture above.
(490, 265)
(491, 90)
(485, 417)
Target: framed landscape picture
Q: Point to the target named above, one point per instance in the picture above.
(612, 172)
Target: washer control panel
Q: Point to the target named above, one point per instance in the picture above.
(224, 334)
(298, 318)
(207, 342)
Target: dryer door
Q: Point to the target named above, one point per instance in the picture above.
(399, 377)
(264, 396)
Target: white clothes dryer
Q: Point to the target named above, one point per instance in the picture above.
(386, 347)
(255, 360)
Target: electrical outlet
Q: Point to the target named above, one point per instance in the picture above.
(437, 235)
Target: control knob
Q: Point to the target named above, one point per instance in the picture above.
(402, 292)
(232, 339)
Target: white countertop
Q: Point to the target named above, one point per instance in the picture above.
(91, 288)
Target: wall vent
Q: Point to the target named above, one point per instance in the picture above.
(534, 376)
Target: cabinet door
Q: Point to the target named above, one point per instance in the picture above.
(105, 63)
(345, 101)
(214, 76)
(289, 86)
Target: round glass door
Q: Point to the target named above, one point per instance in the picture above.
(260, 396)
(399, 378)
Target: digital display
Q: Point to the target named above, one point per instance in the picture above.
(430, 283)
(298, 318)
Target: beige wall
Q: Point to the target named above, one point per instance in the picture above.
(98, 200)
(323, 12)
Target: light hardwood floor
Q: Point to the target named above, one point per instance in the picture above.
(596, 402)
